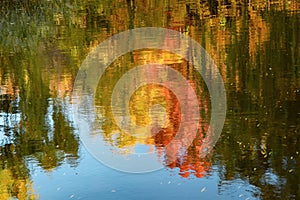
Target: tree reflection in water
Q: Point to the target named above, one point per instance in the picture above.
(33, 126)
(189, 161)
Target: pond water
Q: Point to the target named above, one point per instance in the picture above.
(256, 47)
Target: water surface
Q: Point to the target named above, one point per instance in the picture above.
(255, 46)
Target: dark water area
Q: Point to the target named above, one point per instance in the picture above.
(256, 47)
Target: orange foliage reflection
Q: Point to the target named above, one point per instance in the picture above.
(189, 161)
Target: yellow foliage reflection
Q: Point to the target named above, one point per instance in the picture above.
(19, 188)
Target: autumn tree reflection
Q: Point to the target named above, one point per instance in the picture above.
(187, 161)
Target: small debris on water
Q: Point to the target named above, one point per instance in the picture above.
(203, 189)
